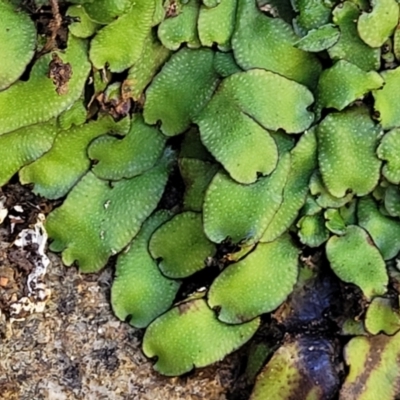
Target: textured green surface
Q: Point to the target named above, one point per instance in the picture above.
(319, 39)
(107, 217)
(349, 46)
(346, 139)
(387, 98)
(57, 171)
(23, 146)
(17, 43)
(263, 42)
(190, 336)
(180, 246)
(382, 317)
(176, 105)
(323, 197)
(132, 155)
(242, 212)
(139, 290)
(215, 24)
(392, 201)
(105, 11)
(36, 100)
(344, 83)
(376, 26)
(181, 27)
(83, 28)
(303, 162)
(389, 151)
(120, 44)
(312, 231)
(312, 14)
(75, 115)
(355, 259)
(257, 284)
(225, 64)
(197, 175)
(384, 231)
(233, 125)
(143, 71)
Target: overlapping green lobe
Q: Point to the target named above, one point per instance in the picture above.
(382, 317)
(384, 231)
(181, 90)
(349, 46)
(233, 125)
(18, 39)
(344, 83)
(84, 27)
(263, 42)
(23, 146)
(139, 290)
(355, 259)
(75, 115)
(57, 171)
(97, 221)
(387, 99)
(130, 156)
(106, 11)
(180, 27)
(323, 198)
(312, 231)
(376, 26)
(312, 14)
(392, 200)
(190, 336)
(347, 159)
(36, 100)
(242, 212)
(225, 64)
(303, 162)
(389, 151)
(153, 56)
(236, 140)
(319, 39)
(120, 43)
(257, 284)
(215, 24)
(180, 245)
(197, 175)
